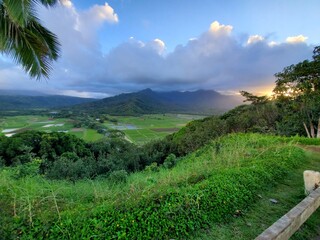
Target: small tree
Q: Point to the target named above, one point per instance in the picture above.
(298, 85)
(170, 161)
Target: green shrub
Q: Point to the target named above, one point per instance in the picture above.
(28, 169)
(153, 167)
(170, 161)
(119, 176)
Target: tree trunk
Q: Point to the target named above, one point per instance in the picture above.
(305, 127)
(312, 130)
(318, 132)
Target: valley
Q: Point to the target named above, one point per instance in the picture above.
(151, 120)
(138, 129)
(134, 167)
(145, 128)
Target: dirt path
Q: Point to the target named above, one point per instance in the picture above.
(312, 148)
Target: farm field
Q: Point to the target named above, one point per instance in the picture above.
(12, 125)
(150, 127)
(138, 130)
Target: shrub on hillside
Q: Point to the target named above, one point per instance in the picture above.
(170, 161)
(119, 176)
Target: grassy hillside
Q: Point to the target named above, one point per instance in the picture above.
(205, 188)
(253, 221)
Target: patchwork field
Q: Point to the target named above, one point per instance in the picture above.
(12, 125)
(150, 127)
(137, 129)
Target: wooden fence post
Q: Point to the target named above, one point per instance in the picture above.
(288, 224)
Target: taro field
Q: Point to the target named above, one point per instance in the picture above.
(145, 128)
(138, 130)
(12, 125)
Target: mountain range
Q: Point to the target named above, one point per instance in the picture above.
(148, 101)
(16, 101)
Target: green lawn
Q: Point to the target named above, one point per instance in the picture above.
(91, 135)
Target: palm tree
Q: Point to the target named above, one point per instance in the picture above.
(24, 39)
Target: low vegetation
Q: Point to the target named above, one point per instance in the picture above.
(248, 224)
(208, 186)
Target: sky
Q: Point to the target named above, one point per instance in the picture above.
(120, 46)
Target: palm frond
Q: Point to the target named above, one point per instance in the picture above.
(36, 49)
(25, 39)
(19, 12)
(49, 3)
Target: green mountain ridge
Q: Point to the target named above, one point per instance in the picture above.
(22, 102)
(148, 101)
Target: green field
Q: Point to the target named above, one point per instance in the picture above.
(13, 125)
(138, 130)
(149, 127)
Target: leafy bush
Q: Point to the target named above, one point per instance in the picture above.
(119, 176)
(153, 167)
(170, 161)
(29, 169)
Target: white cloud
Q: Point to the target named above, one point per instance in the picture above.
(82, 94)
(66, 3)
(254, 39)
(101, 13)
(216, 59)
(296, 39)
(273, 43)
(216, 28)
(158, 45)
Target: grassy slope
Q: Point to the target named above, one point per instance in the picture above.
(263, 213)
(164, 203)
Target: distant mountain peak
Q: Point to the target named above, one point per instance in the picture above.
(147, 90)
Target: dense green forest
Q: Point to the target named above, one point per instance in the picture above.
(172, 186)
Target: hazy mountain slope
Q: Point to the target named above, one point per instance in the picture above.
(148, 101)
(17, 102)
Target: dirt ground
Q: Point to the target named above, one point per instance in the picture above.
(312, 148)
